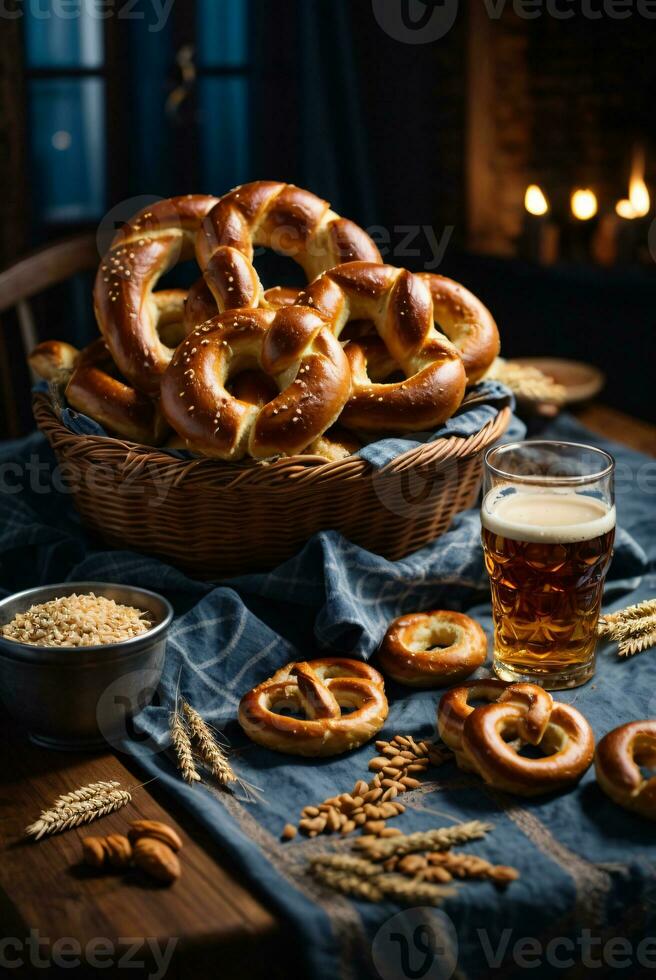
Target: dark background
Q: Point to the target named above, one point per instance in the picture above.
(414, 140)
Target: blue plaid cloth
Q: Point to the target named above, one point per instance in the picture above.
(588, 868)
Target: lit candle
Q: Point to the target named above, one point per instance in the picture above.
(631, 229)
(584, 208)
(540, 238)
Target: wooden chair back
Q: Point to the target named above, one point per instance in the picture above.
(22, 281)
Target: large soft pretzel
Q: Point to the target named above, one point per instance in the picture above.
(432, 649)
(93, 388)
(618, 758)
(466, 322)
(399, 305)
(127, 312)
(566, 740)
(312, 377)
(283, 217)
(319, 689)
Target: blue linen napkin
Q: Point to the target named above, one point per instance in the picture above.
(588, 869)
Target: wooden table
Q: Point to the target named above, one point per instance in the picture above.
(221, 927)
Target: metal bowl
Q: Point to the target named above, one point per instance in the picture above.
(82, 697)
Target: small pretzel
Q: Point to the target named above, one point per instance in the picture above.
(311, 374)
(319, 689)
(466, 322)
(432, 649)
(292, 221)
(618, 758)
(567, 743)
(400, 308)
(454, 709)
(145, 248)
(93, 389)
(337, 443)
(53, 360)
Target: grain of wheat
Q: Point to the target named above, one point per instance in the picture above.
(210, 750)
(76, 620)
(183, 750)
(85, 793)
(632, 628)
(441, 839)
(62, 818)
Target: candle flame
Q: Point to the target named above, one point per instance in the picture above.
(534, 200)
(625, 209)
(584, 204)
(638, 203)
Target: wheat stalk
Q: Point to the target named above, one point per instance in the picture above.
(85, 793)
(430, 840)
(348, 863)
(351, 879)
(645, 608)
(183, 750)
(65, 817)
(349, 884)
(407, 890)
(211, 752)
(632, 628)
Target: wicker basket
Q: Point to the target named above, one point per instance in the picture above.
(216, 519)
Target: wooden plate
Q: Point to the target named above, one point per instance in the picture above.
(581, 381)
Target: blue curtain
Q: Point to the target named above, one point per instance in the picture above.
(335, 161)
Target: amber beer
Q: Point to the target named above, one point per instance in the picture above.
(547, 552)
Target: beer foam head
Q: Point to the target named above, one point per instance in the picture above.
(554, 518)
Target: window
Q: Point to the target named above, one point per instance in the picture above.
(66, 114)
(117, 109)
(224, 85)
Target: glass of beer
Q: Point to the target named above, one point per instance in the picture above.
(548, 519)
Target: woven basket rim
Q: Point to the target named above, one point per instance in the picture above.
(131, 457)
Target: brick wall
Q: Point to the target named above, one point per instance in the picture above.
(567, 101)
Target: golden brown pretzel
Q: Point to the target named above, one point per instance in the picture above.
(335, 444)
(93, 388)
(201, 305)
(618, 758)
(286, 218)
(53, 360)
(400, 307)
(455, 707)
(313, 379)
(567, 742)
(432, 649)
(466, 322)
(318, 688)
(152, 242)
